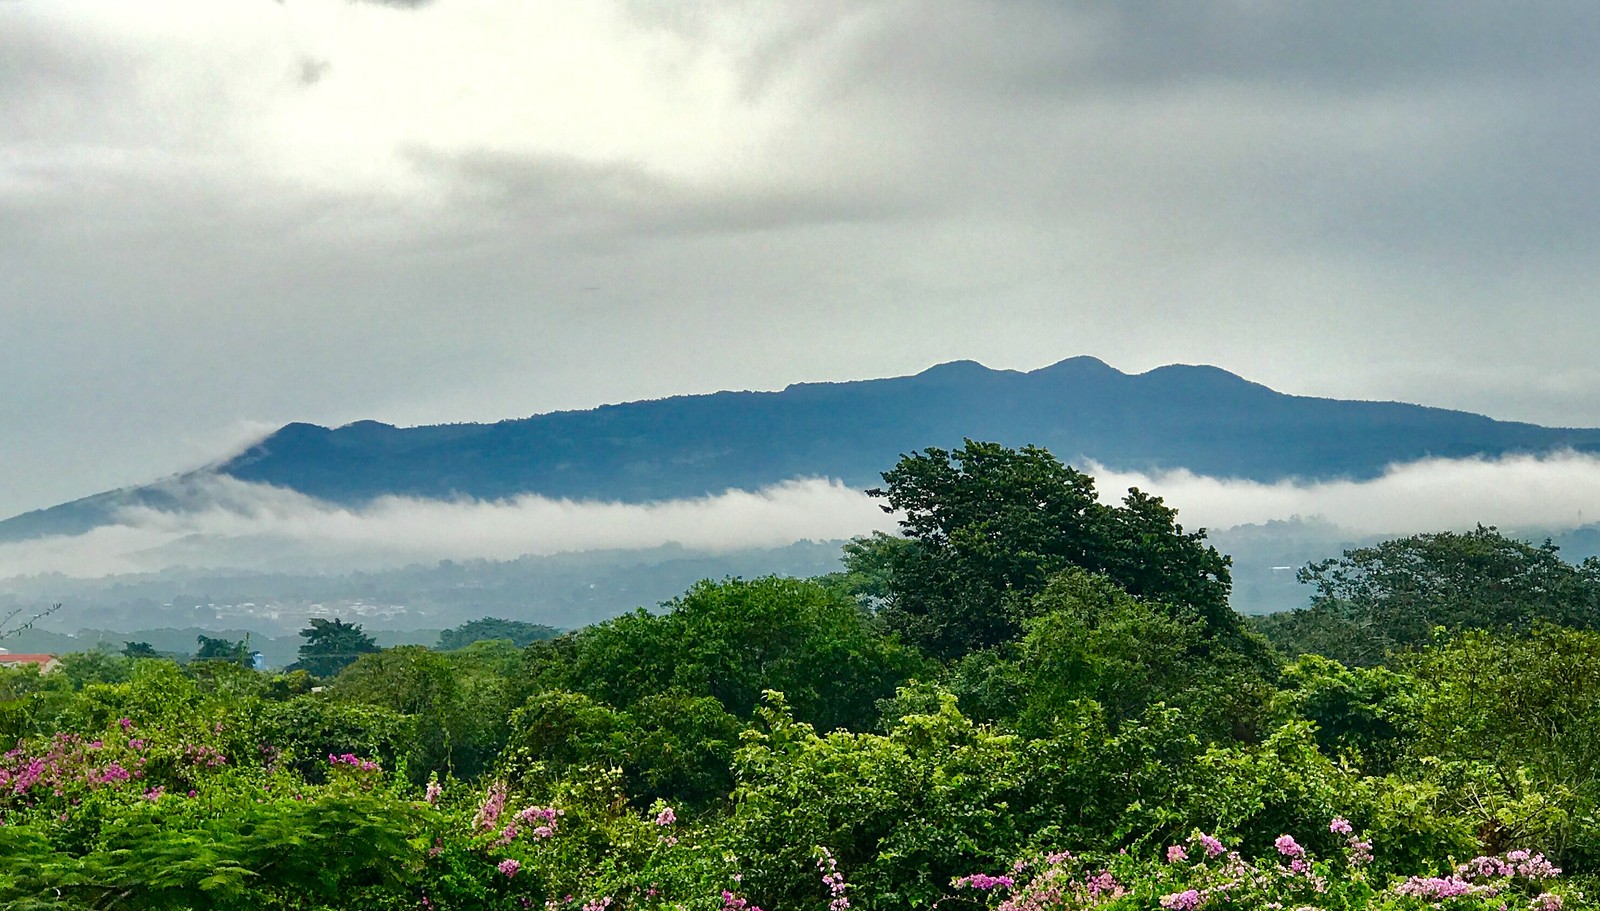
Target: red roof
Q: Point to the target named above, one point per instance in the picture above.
(9, 658)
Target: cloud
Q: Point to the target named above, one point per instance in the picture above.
(225, 523)
(1545, 493)
(228, 523)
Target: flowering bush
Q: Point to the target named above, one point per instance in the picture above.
(1203, 873)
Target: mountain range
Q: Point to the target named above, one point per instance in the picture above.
(1199, 418)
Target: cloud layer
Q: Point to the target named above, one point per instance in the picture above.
(231, 524)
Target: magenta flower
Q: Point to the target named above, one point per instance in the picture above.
(494, 803)
(666, 817)
(1439, 888)
(1211, 844)
(1181, 901)
(984, 882)
(1288, 847)
(509, 867)
(1340, 826)
(1176, 854)
(1360, 851)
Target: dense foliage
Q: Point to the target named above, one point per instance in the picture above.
(1031, 701)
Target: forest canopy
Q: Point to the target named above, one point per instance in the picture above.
(1030, 699)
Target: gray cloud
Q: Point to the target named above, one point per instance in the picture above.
(330, 211)
(232, 524)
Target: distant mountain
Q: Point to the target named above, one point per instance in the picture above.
(1200, 418)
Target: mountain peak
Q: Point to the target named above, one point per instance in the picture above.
(955, 371)
(1082, 365)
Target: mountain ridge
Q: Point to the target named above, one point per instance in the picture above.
(1178, 416)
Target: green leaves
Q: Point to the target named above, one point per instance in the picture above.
(992, 525)
(284, 853)
(331, 646)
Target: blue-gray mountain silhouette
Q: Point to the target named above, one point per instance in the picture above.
(1200, 418)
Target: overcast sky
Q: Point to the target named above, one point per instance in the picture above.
(217, 217)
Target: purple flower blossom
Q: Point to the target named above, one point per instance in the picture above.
(1211, 844)
(984, 882)
(509, 867)
(838, 889)
(494, 803)
(666, 817)
(1340, 826)
(1181, 901)
(1360, 851)
(1176, 854)
(431, 795)
(354, 762)
(1438, 888)
(1288, 847)
(731, 902)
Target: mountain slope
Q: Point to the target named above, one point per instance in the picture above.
(1200, 418)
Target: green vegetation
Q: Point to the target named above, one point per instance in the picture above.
(1029, 701)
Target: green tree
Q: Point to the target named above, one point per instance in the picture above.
(139, 650)
(331, 646)
(520, 633)
(991, 525)
(460, 710)
(1375, 600)
(731, 640)
(222, 650)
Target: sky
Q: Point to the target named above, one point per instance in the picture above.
(216, 218)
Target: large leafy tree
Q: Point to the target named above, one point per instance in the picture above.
(331, 645)
(989, 527)
(732, 640)
(519, 632)
(222, 650)
(1375, 600)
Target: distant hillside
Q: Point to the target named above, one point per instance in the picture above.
(1200, 418)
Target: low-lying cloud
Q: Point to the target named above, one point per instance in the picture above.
(1552, 493)
(233, 524)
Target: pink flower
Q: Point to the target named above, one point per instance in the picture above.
(1340, 826)
(431, 795)
(1181, 901)
(984, 882)
(509, 867)
(666, 817)
(1211, 844)
(1176, 854)
(493, 803)
(1287, 846)
(1438, 888)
